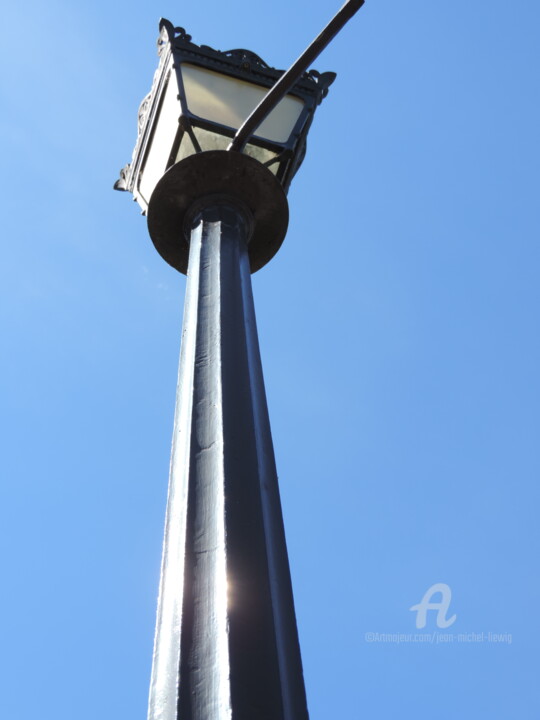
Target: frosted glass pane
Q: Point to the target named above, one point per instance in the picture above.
(162, 142)
(229, 101)
(262, 155)
(212, 141)
(186, 148)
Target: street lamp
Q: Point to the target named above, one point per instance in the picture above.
(199, 99)
(220, 136)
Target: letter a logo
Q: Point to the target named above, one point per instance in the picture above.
(441, 607)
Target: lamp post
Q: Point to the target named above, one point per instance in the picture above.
(226, 643)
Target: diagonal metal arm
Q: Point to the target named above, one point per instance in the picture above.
(293, 74)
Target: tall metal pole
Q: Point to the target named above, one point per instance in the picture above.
(226, 644)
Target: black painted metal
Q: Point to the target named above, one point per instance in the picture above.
(293, 74)
(217, 172)
(226, 644)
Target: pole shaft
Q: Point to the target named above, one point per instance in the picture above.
(226, 642)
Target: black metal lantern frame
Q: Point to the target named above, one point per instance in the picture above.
(196, 134)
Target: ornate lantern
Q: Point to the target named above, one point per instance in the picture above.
(199, 99)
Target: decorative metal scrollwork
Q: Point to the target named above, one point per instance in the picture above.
(323, 80)
(143, 112)
(247, 59)
(122, 182)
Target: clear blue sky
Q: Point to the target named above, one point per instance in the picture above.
(399, 332)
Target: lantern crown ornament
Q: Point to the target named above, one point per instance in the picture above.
(198, 100)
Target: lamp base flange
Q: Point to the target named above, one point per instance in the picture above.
(211, 173)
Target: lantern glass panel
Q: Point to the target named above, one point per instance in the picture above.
(229, 101)
(209, 140)
(161, 142)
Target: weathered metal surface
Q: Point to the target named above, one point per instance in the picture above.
(226, 642)
(217, 172)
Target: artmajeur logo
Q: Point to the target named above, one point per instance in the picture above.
(437, 598)
(441, 607)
